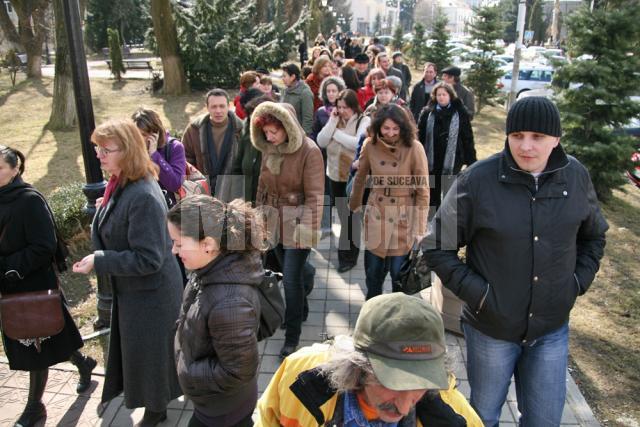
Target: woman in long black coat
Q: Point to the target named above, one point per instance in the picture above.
(27, 248)
(445, 131)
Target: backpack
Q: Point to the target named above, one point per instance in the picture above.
(271, 305)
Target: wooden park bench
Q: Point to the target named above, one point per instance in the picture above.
(135, 64)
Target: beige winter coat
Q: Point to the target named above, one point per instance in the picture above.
(398, 205)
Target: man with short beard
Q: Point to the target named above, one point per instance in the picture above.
(390, 373)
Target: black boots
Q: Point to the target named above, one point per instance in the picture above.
(35, 411)
(286, 350)
(151, 419)
(85, 365)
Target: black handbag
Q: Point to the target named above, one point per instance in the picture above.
(271, 305)
(415, 276)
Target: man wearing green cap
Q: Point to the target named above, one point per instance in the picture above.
(390, 373)
(534, 237)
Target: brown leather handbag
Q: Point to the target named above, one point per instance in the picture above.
(32, 315)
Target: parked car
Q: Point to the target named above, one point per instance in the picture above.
(385, 40)
(531, 76)
(506, 58)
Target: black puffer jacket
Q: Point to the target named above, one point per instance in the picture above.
(216, 345)
(532, 248)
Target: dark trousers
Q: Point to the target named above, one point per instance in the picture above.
(440, 185)
(376, 270)
(245, 422)
(297, 280)
(350, 225)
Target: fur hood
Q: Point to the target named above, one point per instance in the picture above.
(286, 114)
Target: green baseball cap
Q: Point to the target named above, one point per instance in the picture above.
(403, 337)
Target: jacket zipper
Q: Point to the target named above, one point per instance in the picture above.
(484, 297)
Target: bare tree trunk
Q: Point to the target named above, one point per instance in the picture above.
(164, 28)
(262, 8)
(555, 25)
(31, 28)
(63, 109)
(293, 9)
(8, 28)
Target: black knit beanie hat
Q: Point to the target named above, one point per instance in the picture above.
(534, 114)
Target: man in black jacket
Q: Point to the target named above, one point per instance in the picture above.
(451, 75)
(422, 90)
(535, 235)
(398, 64)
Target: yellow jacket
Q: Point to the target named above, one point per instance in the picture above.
(279, 406)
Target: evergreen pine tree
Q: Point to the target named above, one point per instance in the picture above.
(535, 21)
(509, 18)
(130, 17)
(438, 52)
(598, 85)
(397, 42)
(482, 77)
(416, 47)
(219, 40)
(115, 54)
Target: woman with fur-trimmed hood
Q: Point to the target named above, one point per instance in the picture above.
(290, 195)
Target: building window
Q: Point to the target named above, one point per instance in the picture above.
(8, 6)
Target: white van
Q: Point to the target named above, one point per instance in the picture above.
(531, 76)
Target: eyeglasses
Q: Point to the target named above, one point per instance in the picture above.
(105, 151)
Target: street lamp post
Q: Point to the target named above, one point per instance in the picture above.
(95, 185)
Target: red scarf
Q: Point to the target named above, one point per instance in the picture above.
(111, 187)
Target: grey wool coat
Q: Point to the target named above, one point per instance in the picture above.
(133, 247)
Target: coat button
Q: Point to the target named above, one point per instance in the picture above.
(535, 278)
(535, 238)
(377, 216)
(382, 162)
(530, 315)
(394, 164)
(390, 219)
(533, 198)
(564, 193)
(393, 150)
(379, 199)
(393, 200)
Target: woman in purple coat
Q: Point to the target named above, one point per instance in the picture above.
(166, 152)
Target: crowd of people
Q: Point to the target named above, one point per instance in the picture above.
(341, 134)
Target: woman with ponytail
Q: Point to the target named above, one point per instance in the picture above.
(216, 345)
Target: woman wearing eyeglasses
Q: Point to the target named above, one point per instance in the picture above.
(133, 247)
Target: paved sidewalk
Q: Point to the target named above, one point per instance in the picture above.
(334, 305)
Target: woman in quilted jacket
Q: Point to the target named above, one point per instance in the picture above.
(216, 345)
